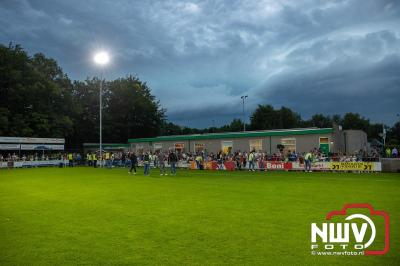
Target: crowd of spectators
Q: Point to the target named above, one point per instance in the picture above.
(14, 157)
(241, 158)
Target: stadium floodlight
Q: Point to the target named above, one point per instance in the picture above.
(101, 59)
(244, 97)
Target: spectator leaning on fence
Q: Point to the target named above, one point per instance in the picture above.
(395, 153)
(388, 152)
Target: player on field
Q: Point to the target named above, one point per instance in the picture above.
(307, 161)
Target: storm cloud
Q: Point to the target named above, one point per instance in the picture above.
(199, 57)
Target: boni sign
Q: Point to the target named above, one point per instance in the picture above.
(271, 165)
(353, 234)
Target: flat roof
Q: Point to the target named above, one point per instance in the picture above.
(31, 140)
(247, 134)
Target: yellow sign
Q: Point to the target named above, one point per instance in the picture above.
(352, 166)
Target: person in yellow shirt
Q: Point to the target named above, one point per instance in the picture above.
(388, 152)
(70, 160)
(108, 160)
(89, 159)
(307, 161)
(94, 160)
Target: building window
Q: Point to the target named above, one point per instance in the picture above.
(157, 146)
(289, 144)
(255, 144)
(227, 146)
(323, 140)
(199, 147)
(179, 147)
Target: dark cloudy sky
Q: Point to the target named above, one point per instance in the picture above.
(199, 57)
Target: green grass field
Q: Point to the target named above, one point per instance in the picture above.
(89, 216)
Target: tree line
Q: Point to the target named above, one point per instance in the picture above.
(266, 117)
(37, 99)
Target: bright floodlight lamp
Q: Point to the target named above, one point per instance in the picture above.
(101, 58)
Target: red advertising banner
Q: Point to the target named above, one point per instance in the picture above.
(193, 165)
(278, 165)
(229, 166)
(210, 165)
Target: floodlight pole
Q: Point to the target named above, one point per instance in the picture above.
(101, 118)
(244, 122)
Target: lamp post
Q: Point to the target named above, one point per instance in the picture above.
(244, 97)
(101, 59)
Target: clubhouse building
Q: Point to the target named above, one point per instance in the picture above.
(269, 141)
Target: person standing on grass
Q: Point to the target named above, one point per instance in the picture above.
(89, 159)
(251, 160)
(146, 163)
(172, 160)
(155, 158)
(70, 160)
(134, 162)
(94, 160)
(108, 159)
(307, 161)
(161, 162)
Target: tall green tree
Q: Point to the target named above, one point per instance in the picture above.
(319, 120)
(131, 110)
(35, 94)
(266, 117)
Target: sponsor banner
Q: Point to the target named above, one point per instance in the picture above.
(211, 165)
(37, 163)
(31, 140)
(355, 166)
(229, 166)
(179, 165)
(296, 166)
(3, 165)
(32, 147)
(315, 166)
(340, 166)
(55, 147)
(269, 165)
(9, 147)
(28, 147)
